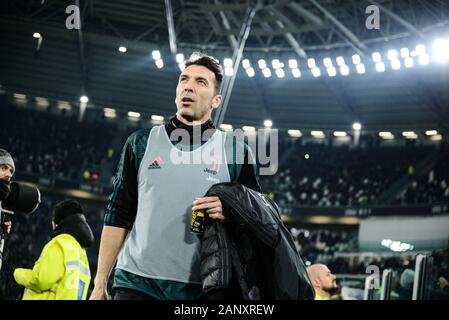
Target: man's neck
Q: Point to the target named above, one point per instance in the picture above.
(322, 294)
(192, 123)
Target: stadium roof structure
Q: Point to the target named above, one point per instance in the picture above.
(61, 63)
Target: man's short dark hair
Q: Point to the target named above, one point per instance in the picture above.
(201, 59)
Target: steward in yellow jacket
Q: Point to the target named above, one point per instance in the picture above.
(62, 271)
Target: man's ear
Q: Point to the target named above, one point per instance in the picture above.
(216, 101)
(316, 283)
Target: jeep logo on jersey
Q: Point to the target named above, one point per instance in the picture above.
(215, 169)
(156, 163)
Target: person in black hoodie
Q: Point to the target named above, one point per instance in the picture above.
(62, 271)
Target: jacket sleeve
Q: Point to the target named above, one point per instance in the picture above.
(122, 205)
(248, 173)
(47, 271)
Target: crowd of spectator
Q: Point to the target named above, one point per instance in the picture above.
(54, 145)
(433, 187)
(333, 176)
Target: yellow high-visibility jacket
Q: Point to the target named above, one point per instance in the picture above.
(61, 273)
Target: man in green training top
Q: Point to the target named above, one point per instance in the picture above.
(147, 221)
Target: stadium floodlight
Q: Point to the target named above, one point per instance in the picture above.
(276, 63)
(181, 66)
(179, 58)
(37, 35)
(331, 71)
(377, 57)
(268, 123)
(344, 70)
(441, 50)
(360, 68)
(280, 73)
(437, 137)
(133, 114)
(294, 133)
(392, 54)
(317, 134)
(357, 126)
(249, 129)
(386, 135)
(408, 62)
(316, 72)
(423, 59)
(109, 113)
(84, 99)
(227, 62)
(405, 53)
(340, 134)
(311, 63)
(155, 117)
(396, 64)
(340, 61)
(262, 64)
(431, 133)
(296, 73)
(250, 72)
(420, 49)
(159, 63)
(356, 59)
(156, 54)
(246, 64)
(229, 71)
(226, 127)
(327, 62)
(410, 135)
(380, 66)
(293, 64)
(266, 72)
(122, 49)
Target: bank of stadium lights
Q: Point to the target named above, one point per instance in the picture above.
(155, 117)
(249, 129)
(133, 115)
(317, 134)
(293, 65)
(359, 66)
(431, 132)
(331, 71)
(316, 72)
(156, 54)
(266, 73)
(247, 66)
(37, 35)
(268, 123)
(409, 135)
(380, 66)
(311, 63)
(344, 70)
(280, 73)
(110, 113)
(228, 69)
(339, 134)
(226, 127)
(180, 61)
(386, 135)
(441, 50)
(84, 99)
(263, 66)
(122, 49)
(357, 126)
(327, 62)
(294, 133)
